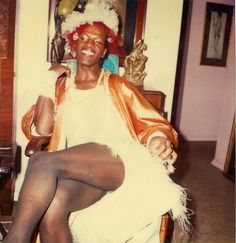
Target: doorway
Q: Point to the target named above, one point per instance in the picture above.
(180, 68)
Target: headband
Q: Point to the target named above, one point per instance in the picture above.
(95, 11)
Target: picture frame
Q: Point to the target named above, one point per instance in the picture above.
(132, 14)
(218, 20)
(229, 167)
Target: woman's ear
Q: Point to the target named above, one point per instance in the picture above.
(72, 50)
(104, 53)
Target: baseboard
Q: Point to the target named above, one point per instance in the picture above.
(218, 164)
(199, 138)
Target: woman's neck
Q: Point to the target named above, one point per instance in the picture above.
(87, 77)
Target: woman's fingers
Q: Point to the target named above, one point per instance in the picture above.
(162, 148)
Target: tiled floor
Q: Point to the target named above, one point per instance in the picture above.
(212, 195)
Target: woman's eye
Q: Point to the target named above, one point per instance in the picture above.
(83, 37)
(99, 42)
(86, 38)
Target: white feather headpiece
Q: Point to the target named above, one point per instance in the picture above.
(95, 11)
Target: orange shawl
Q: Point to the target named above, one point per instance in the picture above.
(138, 114)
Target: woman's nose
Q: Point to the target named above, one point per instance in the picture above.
(90, 42)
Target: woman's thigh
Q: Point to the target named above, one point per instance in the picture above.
(90, 164)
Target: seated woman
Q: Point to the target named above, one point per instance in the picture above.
(104, 169)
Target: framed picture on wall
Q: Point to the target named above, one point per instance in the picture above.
(132, 16)
(216, 36)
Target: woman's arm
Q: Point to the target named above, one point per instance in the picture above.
(140, 116)
(143, 120)
(44, 115)
(41, 114)
(44, 109)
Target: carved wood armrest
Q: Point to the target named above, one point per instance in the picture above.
(36, 144)
(164, 227)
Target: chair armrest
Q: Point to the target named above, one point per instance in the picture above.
(164, 227)
(36, 144)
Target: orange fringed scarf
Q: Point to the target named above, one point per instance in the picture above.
(138, 114)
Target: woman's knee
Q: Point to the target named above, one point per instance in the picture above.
(38, 160)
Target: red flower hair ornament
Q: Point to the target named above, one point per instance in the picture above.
(96, 13)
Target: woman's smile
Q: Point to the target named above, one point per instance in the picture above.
(88, 52)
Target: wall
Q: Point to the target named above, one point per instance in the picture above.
(31, 47)
(162, 32)
(30, 62)
(227, 110)
(204, 87)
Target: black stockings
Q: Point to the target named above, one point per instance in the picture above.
(58, 183)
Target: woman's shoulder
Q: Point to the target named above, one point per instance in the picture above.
(123, 82)
(118, 79)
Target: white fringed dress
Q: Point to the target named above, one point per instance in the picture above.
(132, 213)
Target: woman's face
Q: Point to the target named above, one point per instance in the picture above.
(91, 46)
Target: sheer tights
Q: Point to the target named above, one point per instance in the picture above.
(58, 183)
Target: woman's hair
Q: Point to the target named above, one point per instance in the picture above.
(112, 44)
(99, 13)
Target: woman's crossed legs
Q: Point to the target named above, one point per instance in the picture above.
(58, 183)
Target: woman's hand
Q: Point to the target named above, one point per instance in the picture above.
(60, 70)
(161, 147)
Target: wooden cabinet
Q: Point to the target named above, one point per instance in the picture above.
(157, 99)
(9, 167)
(9, 151)
(7, 34)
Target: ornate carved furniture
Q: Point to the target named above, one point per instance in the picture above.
(157, 99)
(9, 151)
(9, 166)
